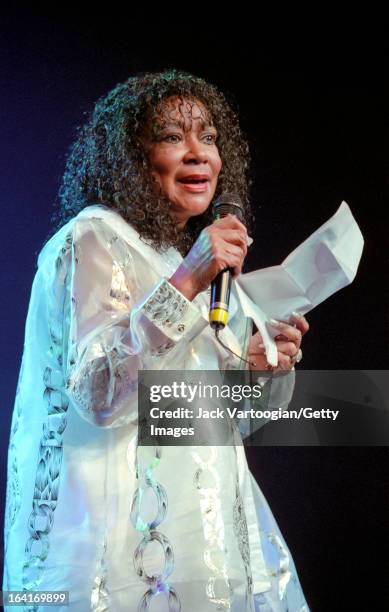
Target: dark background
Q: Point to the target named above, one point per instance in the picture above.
(314, 109)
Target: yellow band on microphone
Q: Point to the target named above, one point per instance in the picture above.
(218, 316)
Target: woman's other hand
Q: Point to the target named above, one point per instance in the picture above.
(220, 245)
(288, 343)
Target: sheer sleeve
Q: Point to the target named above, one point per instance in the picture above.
(123, 316)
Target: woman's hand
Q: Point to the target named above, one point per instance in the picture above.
(288, 343)
(220, 245)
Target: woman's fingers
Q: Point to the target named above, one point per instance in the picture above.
(221, 245)
(285, 362)
(230, 221)
(235, 237)
(299, 321)
(289, 338)
(287, 348)
(233, 258)
(296, 321)
(288, 343)
(288, 331)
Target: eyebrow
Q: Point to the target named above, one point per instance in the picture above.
(203, 124)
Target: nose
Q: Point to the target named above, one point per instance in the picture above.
(196, 151)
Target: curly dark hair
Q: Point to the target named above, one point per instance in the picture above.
(108, 164)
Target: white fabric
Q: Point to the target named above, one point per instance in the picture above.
(97, 314)
(321, 265)
(324, 263)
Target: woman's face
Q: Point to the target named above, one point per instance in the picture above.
(184, 157)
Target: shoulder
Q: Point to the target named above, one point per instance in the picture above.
(95, 222)
(100, 234)
(112, 231)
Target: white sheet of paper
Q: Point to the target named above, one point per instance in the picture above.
(324, 263)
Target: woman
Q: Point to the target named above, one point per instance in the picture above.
(123, 285)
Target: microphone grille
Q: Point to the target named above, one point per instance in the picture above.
(228, 203)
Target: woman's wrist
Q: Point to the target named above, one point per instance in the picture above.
(184, 283)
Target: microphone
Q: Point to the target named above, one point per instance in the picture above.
(221, 284)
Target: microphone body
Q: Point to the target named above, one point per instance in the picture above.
(221, 285)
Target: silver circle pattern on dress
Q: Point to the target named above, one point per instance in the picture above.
(157, 581)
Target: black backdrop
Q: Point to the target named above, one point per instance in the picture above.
(315, 115)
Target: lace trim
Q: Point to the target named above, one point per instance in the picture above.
(157, 582)
(100, 598)
(219, 590)
(47, 479)
(166, 306)
(242, 535)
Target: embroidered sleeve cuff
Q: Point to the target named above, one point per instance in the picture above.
(172, 313)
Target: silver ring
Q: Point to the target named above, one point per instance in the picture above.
(172, 598)
(298, 356)
(136, 519)
(168, 561)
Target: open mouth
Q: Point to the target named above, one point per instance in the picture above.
(189, 181)
(194, 186)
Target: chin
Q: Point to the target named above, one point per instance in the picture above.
(192, 211)
(199, 211)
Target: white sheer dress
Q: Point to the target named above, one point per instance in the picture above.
(100, 309)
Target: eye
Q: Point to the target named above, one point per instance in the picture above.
(172, 138)
(210, 138)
